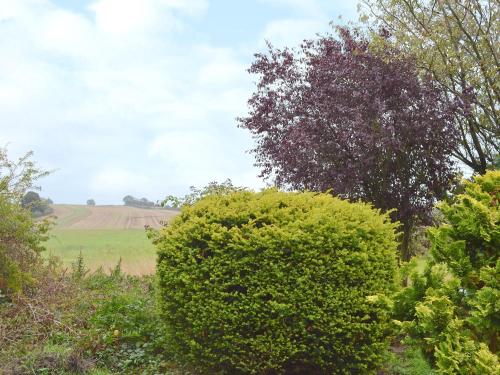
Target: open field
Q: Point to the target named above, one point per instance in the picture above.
(104, 234)
(108, 217)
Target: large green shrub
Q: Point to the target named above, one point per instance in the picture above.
(21, 238)
(452, 309)
(20, 246)
(275, 282)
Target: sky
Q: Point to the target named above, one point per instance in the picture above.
(140, 97)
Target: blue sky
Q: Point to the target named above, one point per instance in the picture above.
(140, 96)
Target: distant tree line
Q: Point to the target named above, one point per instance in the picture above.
(129, 200)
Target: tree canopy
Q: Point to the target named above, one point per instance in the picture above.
(457, 42)
(37, 205)
(337, 115)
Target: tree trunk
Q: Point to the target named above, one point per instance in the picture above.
(404, 247)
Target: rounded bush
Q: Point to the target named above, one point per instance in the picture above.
(274, 282)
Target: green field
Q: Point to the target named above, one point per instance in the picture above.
(104, 248)
(104, 235)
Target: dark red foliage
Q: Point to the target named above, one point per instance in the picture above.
(336, 115)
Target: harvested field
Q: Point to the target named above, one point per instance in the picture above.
(109, 217)
(106, 234)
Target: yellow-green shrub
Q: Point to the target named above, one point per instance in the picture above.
(275, 282)
(451, 310)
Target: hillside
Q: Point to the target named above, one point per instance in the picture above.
(108, 217)
(106, 234)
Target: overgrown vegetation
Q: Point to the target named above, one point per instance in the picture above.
(21, 238)
(81, 322)
(240, 286)
(57, 322)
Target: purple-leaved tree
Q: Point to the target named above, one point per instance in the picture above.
(336, 115)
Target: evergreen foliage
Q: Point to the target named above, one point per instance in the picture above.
(276, 282)
(452, 310)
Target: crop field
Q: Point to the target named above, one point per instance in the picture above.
(106, 234)
(108, 217)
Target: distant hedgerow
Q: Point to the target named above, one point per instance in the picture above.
(276, 282)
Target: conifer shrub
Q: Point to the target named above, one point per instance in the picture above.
(451, 311)
(274, 282)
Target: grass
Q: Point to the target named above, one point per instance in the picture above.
(104, 248)
(104, 235)
(409, 362)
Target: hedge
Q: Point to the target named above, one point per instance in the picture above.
(276, 282)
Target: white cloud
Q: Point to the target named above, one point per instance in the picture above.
(123, 17)
(222, 67)
(119, 181)
(125, 96)
(291, 32)
(193, 8)
(192, 156)
(116, 101)
(197, 157)
(10, 10)
(65, 32)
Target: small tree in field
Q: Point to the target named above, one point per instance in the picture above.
(90, 202)
(336, 115)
